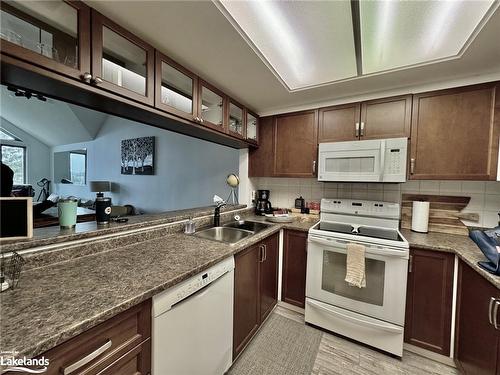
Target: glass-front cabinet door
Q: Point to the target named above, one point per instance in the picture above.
(211, 107)
(52, 34)
(176, 88)
(252, 134)
(121, 62)
(236, 121)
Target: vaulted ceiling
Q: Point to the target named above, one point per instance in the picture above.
(44, 120)
(273, 56)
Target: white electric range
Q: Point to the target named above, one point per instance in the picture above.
(375, 314)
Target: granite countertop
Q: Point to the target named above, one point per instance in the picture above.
(61, 300)
(57, 302)
(463, 246)
(53, 235)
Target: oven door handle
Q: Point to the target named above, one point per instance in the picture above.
(352, 319)
(387, 252)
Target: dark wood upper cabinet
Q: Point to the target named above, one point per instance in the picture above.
(429, 300)
(386, 118)
(252, 127)
(212, 104)
(296, 144)
(235, 119)
(176, 88)
(477, 340)
(246, 318)
(121, 62)
(293, 288)
(339, 123)
(51, 34)
(261, 160)
(455, 134)
(269, 276)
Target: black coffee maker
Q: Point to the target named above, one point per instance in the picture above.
(263, 206)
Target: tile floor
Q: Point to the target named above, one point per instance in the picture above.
(340, 356)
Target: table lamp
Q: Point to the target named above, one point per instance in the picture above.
(102, 203)
(233, 181)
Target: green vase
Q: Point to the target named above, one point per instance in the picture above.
(67, 212)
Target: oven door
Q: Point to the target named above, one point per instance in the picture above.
(384, 296)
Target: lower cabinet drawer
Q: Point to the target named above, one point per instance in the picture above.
(95, 350)
(135, 362)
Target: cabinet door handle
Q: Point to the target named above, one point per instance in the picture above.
(261, 253)
(362, 132)
(265, 252)
(412, 166)
(88, 358)
(314, 166)
(96, 81)
(87, 77)
(357, 129)
(495, 313)
(410, 264)
(492, 301)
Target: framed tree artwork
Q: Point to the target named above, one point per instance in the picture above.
(137, 156)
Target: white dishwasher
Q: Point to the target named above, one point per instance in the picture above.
(193, 324)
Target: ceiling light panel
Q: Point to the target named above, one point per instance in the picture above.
(305, 43)
(396, 34)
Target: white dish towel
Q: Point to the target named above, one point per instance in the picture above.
(355, 267)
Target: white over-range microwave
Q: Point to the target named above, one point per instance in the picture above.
(378, 160)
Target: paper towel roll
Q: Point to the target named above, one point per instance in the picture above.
(420, 217)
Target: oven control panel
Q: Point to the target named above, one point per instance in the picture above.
(361, 207)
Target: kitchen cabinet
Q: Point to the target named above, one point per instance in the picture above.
(455, 134)
(288, 146)
(121, 62)
(246, 317)
(429, 299)
(260, 160)
(268, 276)
(255, 289)
(252, 127)
(212, 107)
(296, 144)
(176, 88)
(477, 341)
(374, 119)
(339, 123)
(51, 34)
(293, 289)
(386, 118)
(235, 119)
(119, 346)
(66, 49)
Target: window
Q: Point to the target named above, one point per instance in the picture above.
(15, 158)
(78, 168)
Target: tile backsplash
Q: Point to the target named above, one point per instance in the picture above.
(485, 195)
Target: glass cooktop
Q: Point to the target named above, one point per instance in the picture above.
(363, 231)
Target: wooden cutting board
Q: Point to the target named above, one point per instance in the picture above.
(444, 213)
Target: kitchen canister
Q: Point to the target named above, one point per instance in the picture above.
(420, 217)
(67, 212)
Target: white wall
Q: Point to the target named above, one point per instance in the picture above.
(188, 171)
(38, 157)
(485, 195)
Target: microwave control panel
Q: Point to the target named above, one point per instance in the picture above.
(393, 161)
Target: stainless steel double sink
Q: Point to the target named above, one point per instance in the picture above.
(233, 232)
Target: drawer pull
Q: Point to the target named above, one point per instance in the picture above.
(88, 358)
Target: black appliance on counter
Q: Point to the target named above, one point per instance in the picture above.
(263, 205)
